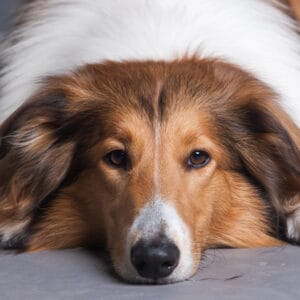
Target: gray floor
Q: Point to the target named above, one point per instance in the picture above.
(272, 273)
(77, 274)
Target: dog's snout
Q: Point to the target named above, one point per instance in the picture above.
(155, 259)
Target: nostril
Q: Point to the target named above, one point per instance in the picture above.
(155, 259)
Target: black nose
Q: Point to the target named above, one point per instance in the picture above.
(155, 259)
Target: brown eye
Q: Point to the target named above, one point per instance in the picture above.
(117, 158)
(198, 159)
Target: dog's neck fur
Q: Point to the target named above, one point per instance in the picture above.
(57, 37)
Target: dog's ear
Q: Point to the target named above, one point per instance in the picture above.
(43, 146)
(34, 156)
(266, 142)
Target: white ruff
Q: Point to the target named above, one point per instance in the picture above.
(293, 225)
(65, 34)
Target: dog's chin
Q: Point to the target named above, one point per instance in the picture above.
(134, 278)
(128, 274)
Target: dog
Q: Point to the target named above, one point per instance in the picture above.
(157, 129)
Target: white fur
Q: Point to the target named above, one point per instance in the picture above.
(65, 34)
(155, 216)
(293, 225)
(9, 230)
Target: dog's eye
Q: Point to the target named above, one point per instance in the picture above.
(117, 158)
(198, 159)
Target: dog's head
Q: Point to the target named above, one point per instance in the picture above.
(163, 159)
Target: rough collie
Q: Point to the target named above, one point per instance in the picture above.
(156, 128)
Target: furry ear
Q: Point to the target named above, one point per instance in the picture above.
(267, 151)
(34, 157)
(42, 148)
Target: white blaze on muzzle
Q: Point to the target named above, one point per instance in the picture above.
(160, 218)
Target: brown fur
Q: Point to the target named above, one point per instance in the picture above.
(295, 7)
(57, 180)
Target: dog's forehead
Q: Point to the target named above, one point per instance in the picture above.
(150, 92)
(141, 100)
(185, 124)
(156, 86)
(138, 98)
(155, 90)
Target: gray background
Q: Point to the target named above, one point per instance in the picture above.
(7, 8)
(272, 273)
